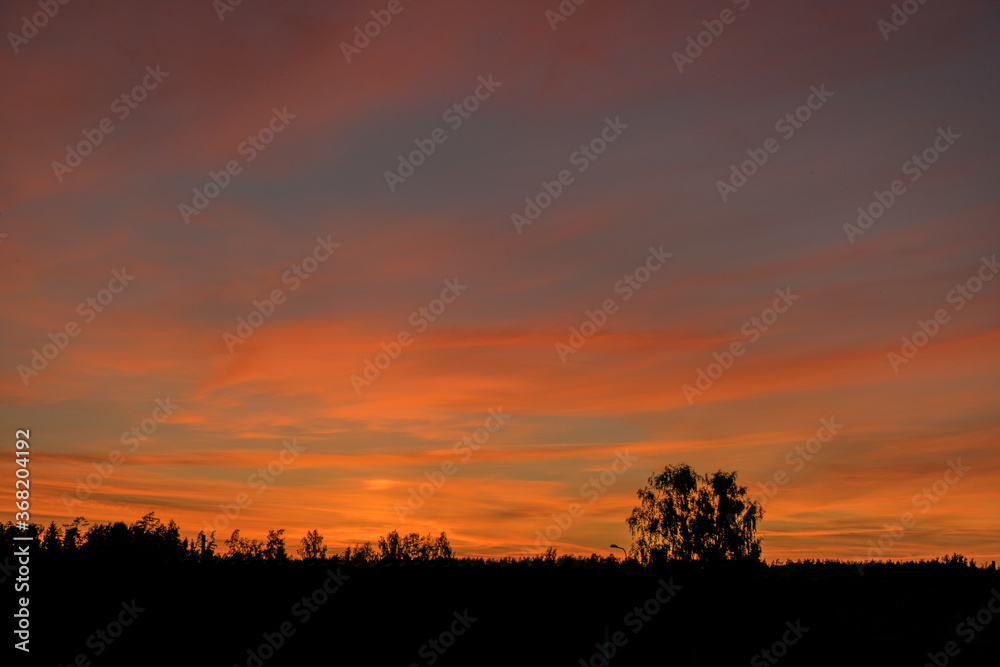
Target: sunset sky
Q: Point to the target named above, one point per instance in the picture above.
(309, 137)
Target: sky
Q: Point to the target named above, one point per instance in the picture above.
(488, 267)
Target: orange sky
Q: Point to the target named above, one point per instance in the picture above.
(321, 181)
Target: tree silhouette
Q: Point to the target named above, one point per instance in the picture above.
(274, 549)
(204, 545)
(74, 534)
(390, 547)
(311, 546)
(686, 516)
(53, 538)
(362, 554)
(441, 547)
(243, 548)
(149, 523)
(413, 547)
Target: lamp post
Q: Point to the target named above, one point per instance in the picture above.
(607, 658)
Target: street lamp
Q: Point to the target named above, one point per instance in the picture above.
(615, 546)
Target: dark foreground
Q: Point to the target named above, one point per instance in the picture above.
(461, 612)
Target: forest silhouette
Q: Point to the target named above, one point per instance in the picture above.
(693, 590)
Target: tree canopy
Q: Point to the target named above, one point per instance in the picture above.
(686, 516)
(311, 547)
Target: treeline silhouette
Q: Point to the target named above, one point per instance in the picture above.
(150, 537)
(209, 602)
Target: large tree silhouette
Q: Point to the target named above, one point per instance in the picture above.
(686, 516)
